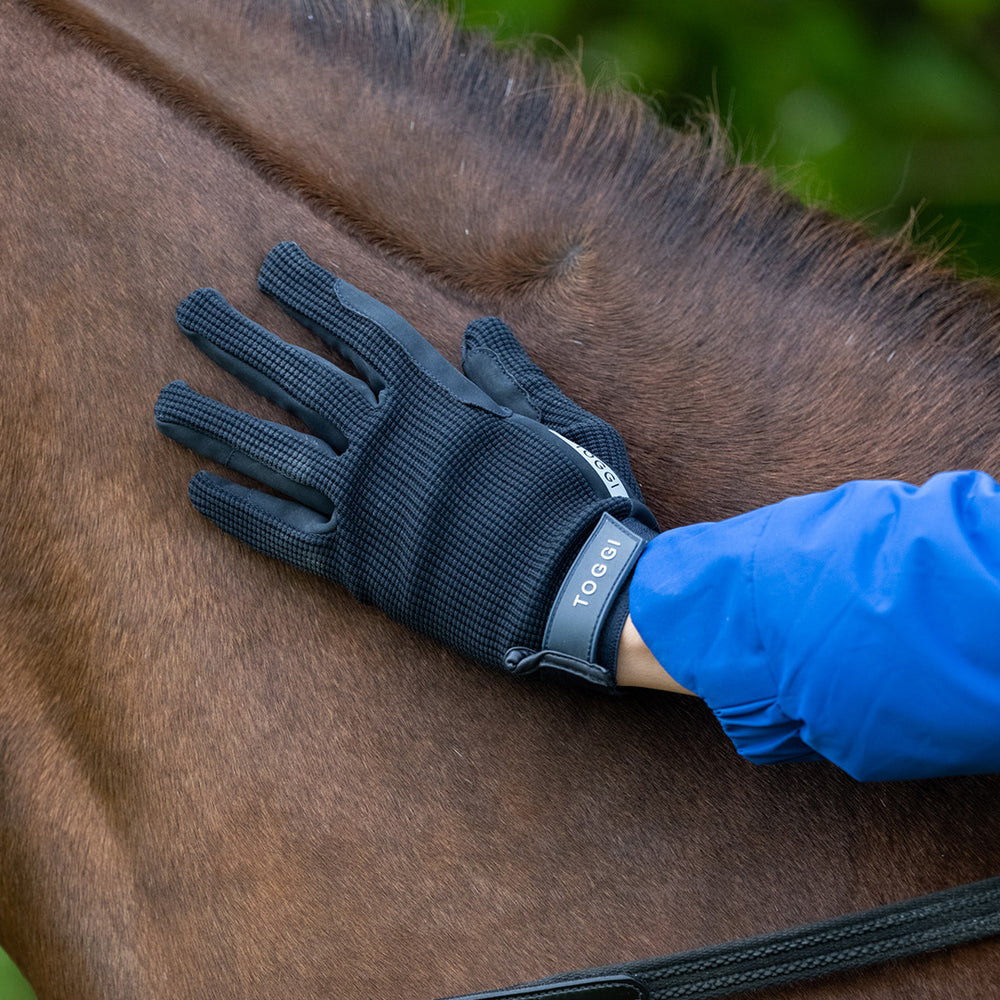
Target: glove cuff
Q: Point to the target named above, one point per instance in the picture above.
(586, 619)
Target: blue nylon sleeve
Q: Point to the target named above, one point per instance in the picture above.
(859, 625)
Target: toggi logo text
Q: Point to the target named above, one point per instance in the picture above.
(609, 478)
(589, 586)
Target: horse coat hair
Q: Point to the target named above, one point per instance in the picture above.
(219, 777)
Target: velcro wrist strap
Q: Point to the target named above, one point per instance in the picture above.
(589, 589)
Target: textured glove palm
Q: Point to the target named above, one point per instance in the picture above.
(455, 504)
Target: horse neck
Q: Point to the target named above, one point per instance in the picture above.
(611, 243)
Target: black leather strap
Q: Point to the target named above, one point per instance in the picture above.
(605, 988)
(927, 923)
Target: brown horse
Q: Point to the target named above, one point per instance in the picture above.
(223, 778)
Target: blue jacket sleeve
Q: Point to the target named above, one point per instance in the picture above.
(858, 625)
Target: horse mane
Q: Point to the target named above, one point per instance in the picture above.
(682, 194)
(581, 218)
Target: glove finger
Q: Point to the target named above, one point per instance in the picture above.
(495, 360)
(274, 527)
(377, 340)
(295, 464)
(319, 393)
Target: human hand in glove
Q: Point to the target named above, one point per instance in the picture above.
(486, 510)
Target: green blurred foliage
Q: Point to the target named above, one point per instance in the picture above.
(12, 983)
(871, 108)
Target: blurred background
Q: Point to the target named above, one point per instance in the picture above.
(871, 108)
(12, 984)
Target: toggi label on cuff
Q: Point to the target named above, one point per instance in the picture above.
(590, 587)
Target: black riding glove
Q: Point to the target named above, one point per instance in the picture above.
(488, 511)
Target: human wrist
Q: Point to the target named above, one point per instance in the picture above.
(637, 667)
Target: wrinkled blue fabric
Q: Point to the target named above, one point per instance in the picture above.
(860, 625)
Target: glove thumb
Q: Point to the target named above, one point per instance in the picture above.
(494, 359)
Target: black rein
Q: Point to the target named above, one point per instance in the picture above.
(939, 920)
